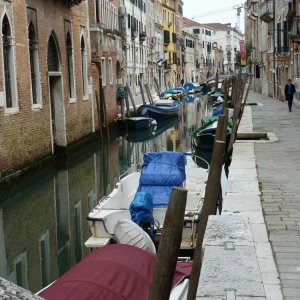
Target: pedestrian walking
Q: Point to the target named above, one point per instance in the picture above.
(182, 81)
(289, 91)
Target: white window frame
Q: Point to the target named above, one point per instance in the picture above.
(37, 75)
(12, 66)
(110, 71)
(103, 71)
(84, 74)
(73, 96)
(22, 259)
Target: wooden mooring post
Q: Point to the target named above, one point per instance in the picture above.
(209, 203)
(156, 86)
(131, 97)
(142, 92)
(148, 93)
(169, 246)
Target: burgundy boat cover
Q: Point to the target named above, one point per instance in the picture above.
(113, 272)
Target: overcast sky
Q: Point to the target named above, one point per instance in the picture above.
(196, 9)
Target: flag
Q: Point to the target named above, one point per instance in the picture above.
(242, 53)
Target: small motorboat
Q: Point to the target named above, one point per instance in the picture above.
(204, 137)
(160, 110)
(138, 123)
(152, 187)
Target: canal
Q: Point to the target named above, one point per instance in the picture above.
(43, 223)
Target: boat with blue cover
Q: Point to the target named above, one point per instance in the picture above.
(160, 110)
(144, 196)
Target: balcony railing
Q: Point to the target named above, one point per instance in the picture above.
(295, 32)
(266, 11)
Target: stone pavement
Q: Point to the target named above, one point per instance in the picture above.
(252, 250)
(278, 169)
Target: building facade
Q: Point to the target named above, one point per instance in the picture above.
(45, 99)
(273, 34)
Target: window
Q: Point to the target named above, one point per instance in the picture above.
(52, 56)
(8, 65)
(166, 37)
(110, 71)
(34, 65)
(196, 31)
(21, 270)
(70, 66)
(103, 71)
(84, 68)
(128, 21)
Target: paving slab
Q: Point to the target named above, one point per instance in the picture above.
(221, 229)
(236, 269)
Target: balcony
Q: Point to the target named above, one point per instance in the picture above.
(266, 11)
(295, 32)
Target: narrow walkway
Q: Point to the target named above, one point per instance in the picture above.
(278, 169)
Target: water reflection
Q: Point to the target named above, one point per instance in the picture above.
(43, 223)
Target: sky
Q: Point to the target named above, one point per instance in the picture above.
(218, 11)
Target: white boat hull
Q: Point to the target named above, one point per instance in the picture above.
(103, 218)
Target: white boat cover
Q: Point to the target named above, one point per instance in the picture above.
(128, 232)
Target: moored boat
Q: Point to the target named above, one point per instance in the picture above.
(115, 272)
(138, 123)
(160, 110)
(160, 172)
(204, 137)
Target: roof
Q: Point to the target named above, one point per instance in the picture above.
(112, 272)
(218, 26)
(189, 23)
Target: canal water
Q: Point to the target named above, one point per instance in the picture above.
(43, 223)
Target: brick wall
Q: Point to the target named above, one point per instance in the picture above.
(26, 135)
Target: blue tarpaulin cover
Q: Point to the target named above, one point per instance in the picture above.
(188, 86)
(141, 208)
(217, 111)
(160, 172)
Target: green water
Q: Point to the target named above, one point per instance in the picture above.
(43, 223)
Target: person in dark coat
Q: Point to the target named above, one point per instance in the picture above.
(289, 91)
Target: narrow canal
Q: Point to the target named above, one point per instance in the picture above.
(43, 223)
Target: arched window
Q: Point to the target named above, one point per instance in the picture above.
(52, 56)
(34, 64)
(70, 66)
(83, 67)
(8, 65)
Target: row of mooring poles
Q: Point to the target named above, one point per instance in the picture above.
(170, 241)
(126, 109)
